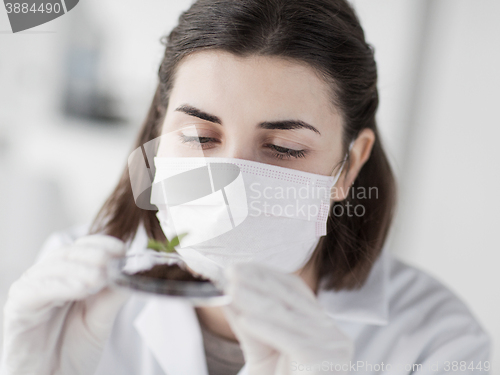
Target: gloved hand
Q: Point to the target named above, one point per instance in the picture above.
(59, 314)
(281, 327)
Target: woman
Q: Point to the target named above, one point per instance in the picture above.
(288, 85)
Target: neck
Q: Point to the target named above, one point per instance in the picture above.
(214, 320)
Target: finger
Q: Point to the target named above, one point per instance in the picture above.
(333, 345)
(256, 302)
(102, 308)
(65, 271)
(90, 325)
(111, 244)
(280, 316)
(27, 299)
(95, 249)
(92, 256)
(285, 288)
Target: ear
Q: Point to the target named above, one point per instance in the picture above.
(359, 154)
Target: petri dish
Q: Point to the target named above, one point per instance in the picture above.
(122, 273)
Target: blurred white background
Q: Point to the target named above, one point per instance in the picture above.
(439, 66)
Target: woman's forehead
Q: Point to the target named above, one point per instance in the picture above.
(255, 85)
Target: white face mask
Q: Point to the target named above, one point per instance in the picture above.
(236, 210)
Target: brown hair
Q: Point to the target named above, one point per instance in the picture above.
(325, 34)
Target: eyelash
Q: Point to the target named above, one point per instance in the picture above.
(285, 153)
(280, 153)
(195, 139)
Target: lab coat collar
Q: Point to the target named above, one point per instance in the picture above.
(367, 305)
(171, 330)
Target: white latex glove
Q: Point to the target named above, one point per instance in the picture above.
(59, 314)
(281, 327)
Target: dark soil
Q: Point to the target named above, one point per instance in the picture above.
(171, 272)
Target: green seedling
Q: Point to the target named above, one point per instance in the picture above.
(167, 246)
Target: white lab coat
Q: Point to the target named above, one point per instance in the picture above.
(401, 317)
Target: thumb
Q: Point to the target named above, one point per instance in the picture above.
(101, 309)
(88, 327)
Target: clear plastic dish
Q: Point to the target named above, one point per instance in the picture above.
(121, 273)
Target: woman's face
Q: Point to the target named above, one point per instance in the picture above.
(262, 109)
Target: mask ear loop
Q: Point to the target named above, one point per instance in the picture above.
(337, 175)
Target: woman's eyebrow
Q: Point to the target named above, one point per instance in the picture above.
(281, 125)
(192, 111)
(288, 125)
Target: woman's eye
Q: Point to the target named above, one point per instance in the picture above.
(285, 153)
(198, 142)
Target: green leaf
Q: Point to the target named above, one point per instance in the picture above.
(167, 247)
(155, 245)
(175, 242)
